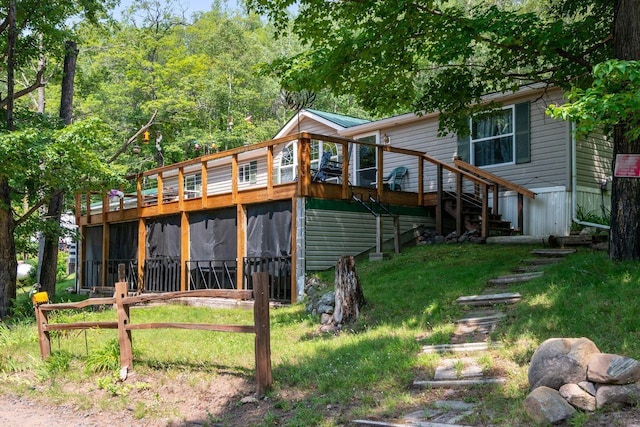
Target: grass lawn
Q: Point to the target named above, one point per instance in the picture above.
(368, 368)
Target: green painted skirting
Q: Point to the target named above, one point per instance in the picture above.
(350, 206)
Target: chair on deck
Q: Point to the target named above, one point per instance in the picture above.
(327, 169)
(393, 181)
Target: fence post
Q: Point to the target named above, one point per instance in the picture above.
(124, 335)
(43, 336)
(263, 339)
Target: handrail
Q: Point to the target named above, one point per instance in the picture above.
(494, 178)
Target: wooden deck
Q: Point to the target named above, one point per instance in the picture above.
(174, 189)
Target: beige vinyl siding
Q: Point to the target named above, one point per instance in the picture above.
(594, 155)
(550, 143)
(219, 179)
(312, 126)
(332, 234)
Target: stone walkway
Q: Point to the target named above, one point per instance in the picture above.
(471, 341)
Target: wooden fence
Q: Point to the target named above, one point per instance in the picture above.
(123, 302)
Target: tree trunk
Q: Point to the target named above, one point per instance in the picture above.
(8, 260)
(349, 295)
(49, 261)
(624, 243)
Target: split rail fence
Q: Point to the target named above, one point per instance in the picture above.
(123, 302)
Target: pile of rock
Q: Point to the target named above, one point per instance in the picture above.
(320, 299)
(430, 237)
(570, 374)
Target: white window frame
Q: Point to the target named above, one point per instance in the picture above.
(512, 135)
(248, 172)
(356, 157)
(193, 186)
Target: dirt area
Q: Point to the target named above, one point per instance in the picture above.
(188, 399)
(185, 400)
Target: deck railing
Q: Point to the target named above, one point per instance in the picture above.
(225, 179)
(279, 269)
(162, 275)
(209, 274)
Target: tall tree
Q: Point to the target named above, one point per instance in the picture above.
(30, 29)
(49, 262)
(444, 55)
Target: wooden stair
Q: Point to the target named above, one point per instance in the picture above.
(472, 215)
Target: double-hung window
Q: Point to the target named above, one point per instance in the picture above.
(493, 138)
(193, 186)
(248, 172)
(499, 138)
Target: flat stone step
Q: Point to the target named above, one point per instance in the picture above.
(553, 253)
(458, 383)
(515, 278)
(459, 348)
(528, 268)
(542, 261)
(458, 369)
(482, 318)
(490, 299)
(373, 423)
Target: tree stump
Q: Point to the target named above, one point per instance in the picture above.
(349, 295)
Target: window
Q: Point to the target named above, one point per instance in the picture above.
(289, 159)
(288, 163)
(501, 138)
(492, 138)
(248, 172)
(192, 186)
(366, 163)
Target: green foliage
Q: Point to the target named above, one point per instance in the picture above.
(113, 385)
(439, 55)
(105, 359)
(592, 217)
(55, 365)
(611, 99)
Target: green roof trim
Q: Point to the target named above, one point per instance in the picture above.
(339, 119)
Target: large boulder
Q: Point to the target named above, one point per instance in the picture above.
(578, 397)
(559, 361)
(545, 406)
(618, 395)
(607, 368)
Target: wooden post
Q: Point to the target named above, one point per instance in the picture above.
(520, 213)
(43, 336)
(184, 250)
(142, 253)
(304, 164)
(459, 219)
(204, 182)
(269, 172)
(485, 211)
(160, 187)
(379, 234)
(379, 171)
(241, 238)
(440, 202)
(396, 233)
(346, 193)
(420, 181)
(294, 249)
(124, 334)
(262, 327)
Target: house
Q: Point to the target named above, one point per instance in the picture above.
(329, 185)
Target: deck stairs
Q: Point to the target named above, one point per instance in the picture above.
(379, 210)
(463, 363)
(472, 214)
